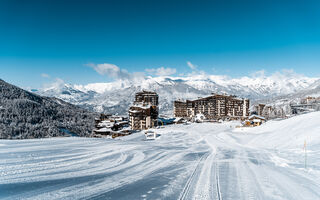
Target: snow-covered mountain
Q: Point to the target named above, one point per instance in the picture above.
(116, 97)
(283, 101)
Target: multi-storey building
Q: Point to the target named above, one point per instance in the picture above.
(143, 113)
(148, 97)
(180, 108)
(216, 106)
(259, 109)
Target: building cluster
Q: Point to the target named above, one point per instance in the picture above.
(214, 107)
(310, 100)
(143, 114)
(113, 126)
(306, 105)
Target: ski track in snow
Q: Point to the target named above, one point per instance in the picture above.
(198, 161)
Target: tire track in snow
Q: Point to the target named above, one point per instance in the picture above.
(219, 196)
(207, 185)
(205, 178)
(186, 190)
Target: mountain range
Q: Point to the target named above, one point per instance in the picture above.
(63, 109)
(116, 97)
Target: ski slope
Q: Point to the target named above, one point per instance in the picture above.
(197, 161)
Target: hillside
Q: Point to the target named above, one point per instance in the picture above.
(289, 133)
(27, 115)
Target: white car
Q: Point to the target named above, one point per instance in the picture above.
(150, 135)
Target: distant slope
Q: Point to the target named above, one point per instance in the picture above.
(289, 133)
(27, 115)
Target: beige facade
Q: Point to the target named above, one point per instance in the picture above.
(215, 106)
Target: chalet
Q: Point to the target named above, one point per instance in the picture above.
(256, 120)
(143, 113)
(214, 107)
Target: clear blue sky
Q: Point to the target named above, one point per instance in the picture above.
(235, 38)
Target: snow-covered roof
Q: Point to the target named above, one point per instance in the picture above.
(134, 111)
(101, 130)
(106, 123)
(256, 116)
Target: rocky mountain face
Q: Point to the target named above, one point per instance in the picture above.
(116, 97)
(27, 115)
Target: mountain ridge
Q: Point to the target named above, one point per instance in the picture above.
(115, 97)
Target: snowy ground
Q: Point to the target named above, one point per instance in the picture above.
(197, 161)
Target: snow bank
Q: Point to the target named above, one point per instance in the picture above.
(289, 133)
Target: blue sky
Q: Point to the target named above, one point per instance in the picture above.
(44, 40)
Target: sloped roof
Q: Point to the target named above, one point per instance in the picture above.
(256, 116)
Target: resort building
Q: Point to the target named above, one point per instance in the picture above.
(216, 106)
(143, 113)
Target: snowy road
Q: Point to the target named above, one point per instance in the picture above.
(199, 161)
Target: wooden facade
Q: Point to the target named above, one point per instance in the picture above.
(256, 120)
(216, 106)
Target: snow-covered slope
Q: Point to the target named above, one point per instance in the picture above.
(197, 161)
(115, 97)
(290, 133)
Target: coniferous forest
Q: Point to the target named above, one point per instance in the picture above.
(26, 115)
